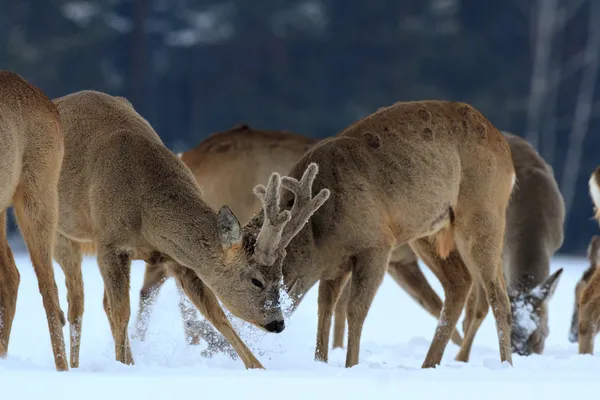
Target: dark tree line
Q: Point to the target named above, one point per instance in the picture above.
(315, 66)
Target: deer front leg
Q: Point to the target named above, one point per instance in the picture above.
(115, 268)
(367, 274)
(456, 281)
(208, 305)
(154, 277)
(329, 291)
(190, 318)
(589, 312)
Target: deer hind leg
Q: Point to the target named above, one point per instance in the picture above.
(154, 277)
(479, 240)
(456, 281)
(410, 278)
(9, 287)
(476, 311)
(329, 292)
(67, 254)
(340, 315)
(115, 269)
(36, 208)
(208, 305)
(367, 274)
(589, 313)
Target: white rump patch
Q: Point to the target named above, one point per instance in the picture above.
(514, 180)
(595, 191)
(179, 155)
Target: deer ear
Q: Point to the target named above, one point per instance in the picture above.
(229, 228)
(545, 290)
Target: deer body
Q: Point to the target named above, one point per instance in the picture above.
(31, 154)
(434, 174)
(127, 196)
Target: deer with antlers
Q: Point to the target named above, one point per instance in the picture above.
(435, 174)
(31, 148)
(220, 166)
(534, 232)
(125, 196)
(589, 299)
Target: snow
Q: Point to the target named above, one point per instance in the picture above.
(395, 340)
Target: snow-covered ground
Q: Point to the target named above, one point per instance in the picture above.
(395, 339)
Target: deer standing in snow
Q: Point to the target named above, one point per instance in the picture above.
(589, 300)
(125, 196)
(220, 166)
(534, 232)
(31, 149)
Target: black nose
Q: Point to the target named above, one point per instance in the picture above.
(275, 326)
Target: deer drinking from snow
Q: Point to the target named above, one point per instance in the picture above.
(589, 300)
(31, 148)
(220, 166)
(124, 194)
(534, 232)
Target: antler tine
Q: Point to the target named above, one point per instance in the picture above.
(269, 237)
(304, 205)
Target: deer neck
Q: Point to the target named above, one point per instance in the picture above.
(526, 267)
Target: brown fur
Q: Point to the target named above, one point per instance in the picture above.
(221, 170)
(430, 157)
(589, 299)
(123, 191)
(31, 148)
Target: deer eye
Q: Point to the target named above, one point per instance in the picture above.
(257, 283)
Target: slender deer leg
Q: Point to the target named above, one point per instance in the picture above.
(340, 315)
(208, 305)
(367, 274)
(190, 318)
(589, 312)
(456, 281)
(68, 255)
(9, 287)
(479, 240)
(115, 270)
(329, 291)
(410, 278)
(154, 277)
(36, 209)
(476, 311)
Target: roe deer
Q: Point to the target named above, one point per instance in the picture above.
(435, 174)
(589, 300)
(31, 148)
(220, 166)
(534, 232)
(124, 194)
(593, 254)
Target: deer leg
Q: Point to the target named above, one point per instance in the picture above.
(329, 291)
(479, 240)
(475, 313)
(208, 305)
(340, 315)
(36, 208)
(410, 278)
(9, 287)
(367, 274)
(68, 255)
(154, 277)
(115, 270)
(191, 323)
(589, 312)
(456, 281)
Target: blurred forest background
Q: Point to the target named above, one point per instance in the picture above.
(193, 67)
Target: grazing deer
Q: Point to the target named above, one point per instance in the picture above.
(124, 194)
(31, 149)
(589, 300)
(220, 166)
(593, 254)
(534, 232)
(434, 174)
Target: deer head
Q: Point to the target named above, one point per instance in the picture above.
(593, 253)
(530, 316)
